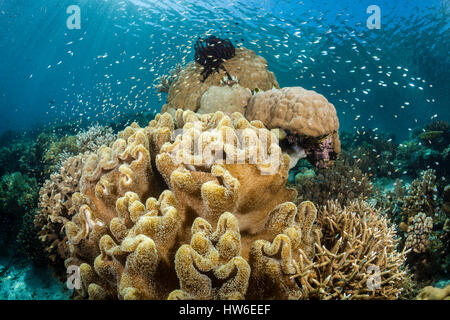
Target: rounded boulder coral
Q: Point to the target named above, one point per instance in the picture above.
(246, 67)
(310, 122)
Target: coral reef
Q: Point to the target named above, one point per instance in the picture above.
(18, 195)
(446, 200)
(310, 121)
(56, 208)
(114, 236)
(420, 197)
(27, 240)
(84, 141)
(342, 183)
(415, 209)
(196, 207)
(249, 69)
(59, 150)
(93, 138)
(418, 233)
(436, 134)
(25, 155)
(356, 257)
(165, 81)
(20, 280)
(372, 152)
(378, 155)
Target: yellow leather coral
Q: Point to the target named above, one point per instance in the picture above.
(196, 207)
(130, 245)
(432, 293)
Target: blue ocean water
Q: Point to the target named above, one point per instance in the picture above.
(393, 78)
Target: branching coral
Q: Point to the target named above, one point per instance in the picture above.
(421, 196)
(246, 67)
(415, 208)
(93, 138)
(165, 81)
(57, 207)
(404, 202)
(418, 233)
(58, 151)
(84, 141)
(308, 118)
(356, 257)
(18, 195)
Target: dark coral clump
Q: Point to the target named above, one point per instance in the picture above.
(211, 53)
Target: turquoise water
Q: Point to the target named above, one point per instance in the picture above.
(393, 78)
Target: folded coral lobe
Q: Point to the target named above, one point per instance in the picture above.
(134, 241)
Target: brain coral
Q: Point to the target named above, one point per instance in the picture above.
(309, 119)
(156, 219)
(246, 66)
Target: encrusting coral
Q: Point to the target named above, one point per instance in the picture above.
(249, 70)
(309, 120)
(196, 207)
